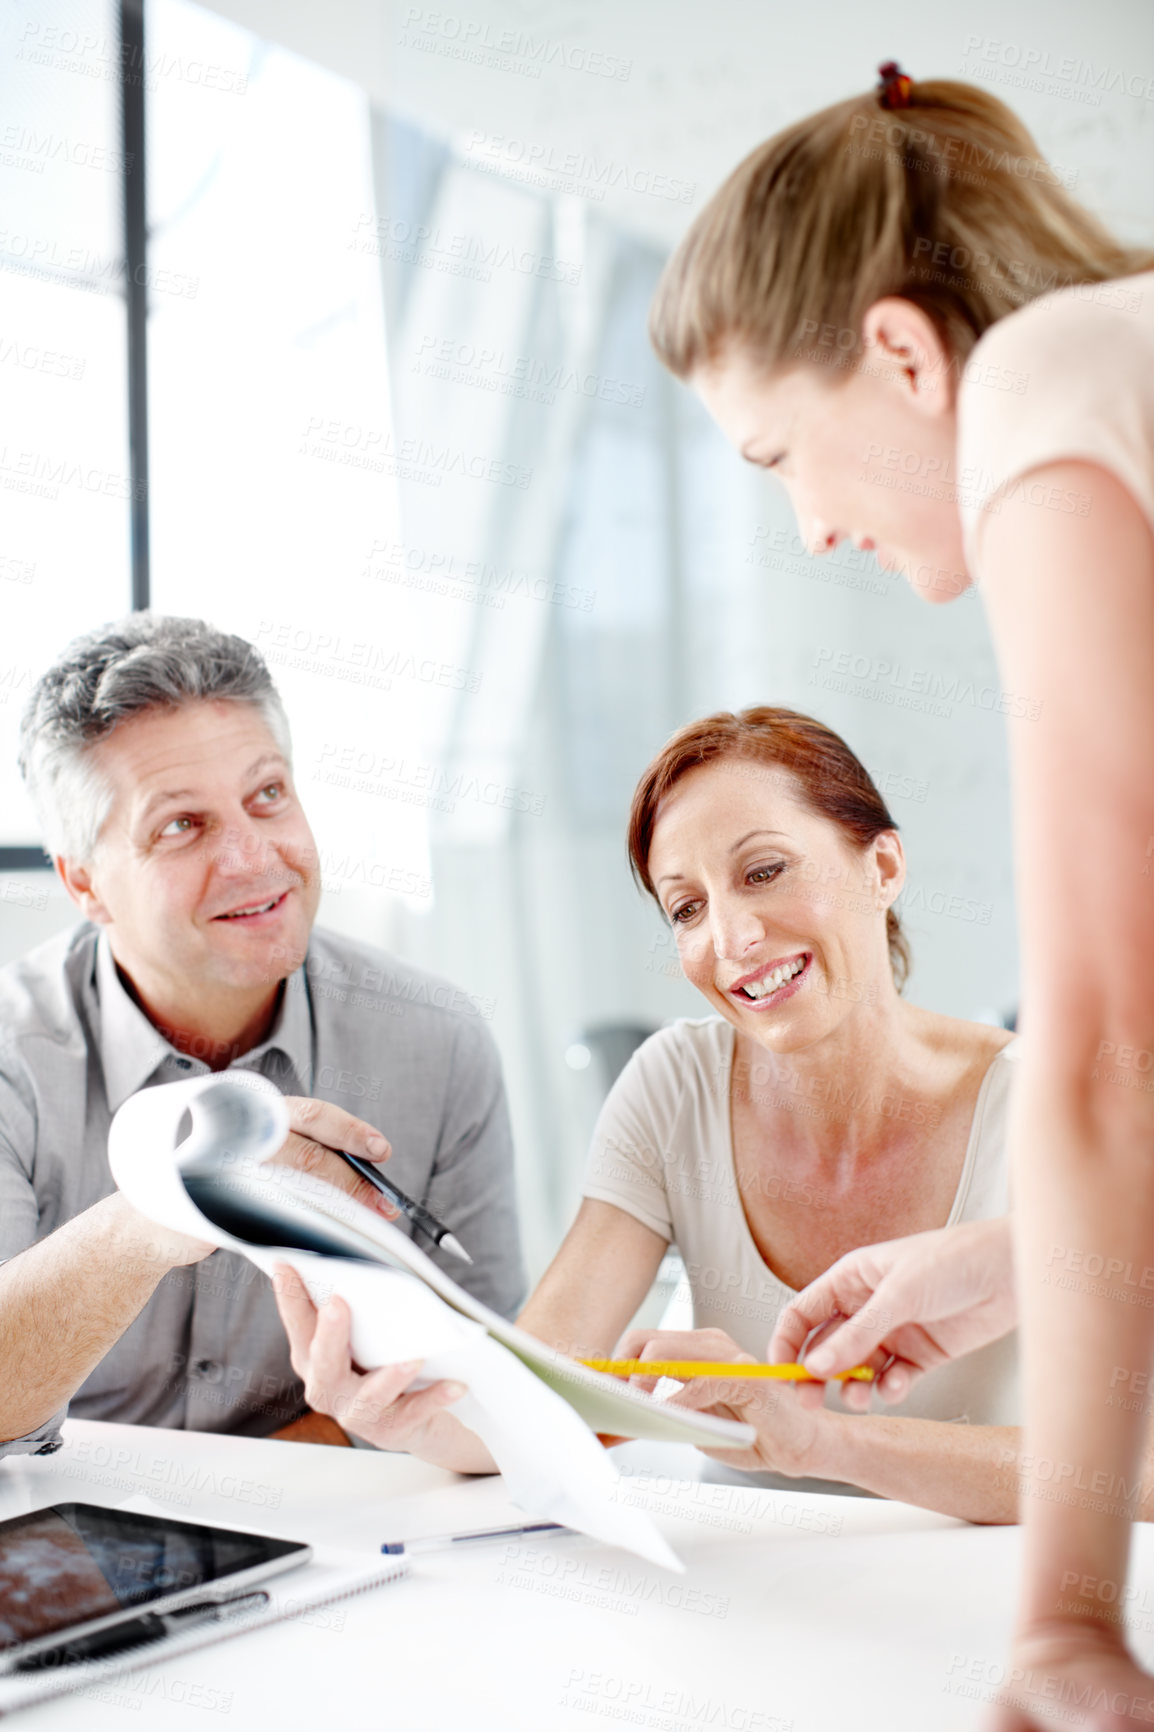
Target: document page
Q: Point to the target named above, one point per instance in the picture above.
(189, 1155)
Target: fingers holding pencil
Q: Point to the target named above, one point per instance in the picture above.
(718, 1377)
(655, 1353)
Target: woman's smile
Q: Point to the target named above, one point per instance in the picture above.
(773, 983)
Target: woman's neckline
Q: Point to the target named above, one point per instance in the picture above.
(965, 1178)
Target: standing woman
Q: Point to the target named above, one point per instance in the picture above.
(896, 307)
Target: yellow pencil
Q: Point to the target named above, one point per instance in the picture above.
(684, 1369)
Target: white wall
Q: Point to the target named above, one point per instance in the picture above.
(33, 906)
(685, 89)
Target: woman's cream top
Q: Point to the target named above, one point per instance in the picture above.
(1068, 376)
(663, 1152)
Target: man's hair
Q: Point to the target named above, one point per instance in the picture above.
(145, 662)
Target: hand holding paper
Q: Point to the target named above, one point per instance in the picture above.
(379, 1405)
(524, 1398)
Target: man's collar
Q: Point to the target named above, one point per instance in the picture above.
(132, 1050)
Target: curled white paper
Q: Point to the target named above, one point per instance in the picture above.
(403, 1306)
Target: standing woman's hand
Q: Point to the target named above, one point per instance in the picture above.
(1051, 1670)
(906, 1305)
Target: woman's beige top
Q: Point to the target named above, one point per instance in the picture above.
(1069, 376)
(663, 1152)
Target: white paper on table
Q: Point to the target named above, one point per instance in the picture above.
(554, 1467)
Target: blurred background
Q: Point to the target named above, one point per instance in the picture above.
(327, 322)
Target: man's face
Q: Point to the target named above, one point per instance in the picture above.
(206, 871)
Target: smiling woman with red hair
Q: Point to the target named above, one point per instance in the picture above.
(811, 1111)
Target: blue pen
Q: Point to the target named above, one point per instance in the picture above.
(441, 1542)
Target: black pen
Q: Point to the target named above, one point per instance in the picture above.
(417, 1213)
(134, 1632)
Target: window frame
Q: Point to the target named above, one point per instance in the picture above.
(133, 182)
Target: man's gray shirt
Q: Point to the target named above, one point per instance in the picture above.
(402, 1049)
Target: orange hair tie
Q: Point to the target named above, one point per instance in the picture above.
(895, 86)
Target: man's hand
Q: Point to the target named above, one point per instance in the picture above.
(904, 1307)
(372, 1404)
(318, 1128)
(65, 1300)
(787, 1429)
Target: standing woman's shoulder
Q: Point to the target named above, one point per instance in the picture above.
(1069, 377)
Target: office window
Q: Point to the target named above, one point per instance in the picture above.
(272, 459)
(64, 481)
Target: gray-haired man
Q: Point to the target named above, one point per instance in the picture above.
(157, 753)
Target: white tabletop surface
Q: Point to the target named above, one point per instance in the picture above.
(796, 1612)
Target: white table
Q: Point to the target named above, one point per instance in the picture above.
(796, 1611)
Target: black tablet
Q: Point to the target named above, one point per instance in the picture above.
(75, 1568)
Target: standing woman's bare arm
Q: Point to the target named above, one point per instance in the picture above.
(1071, 603)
